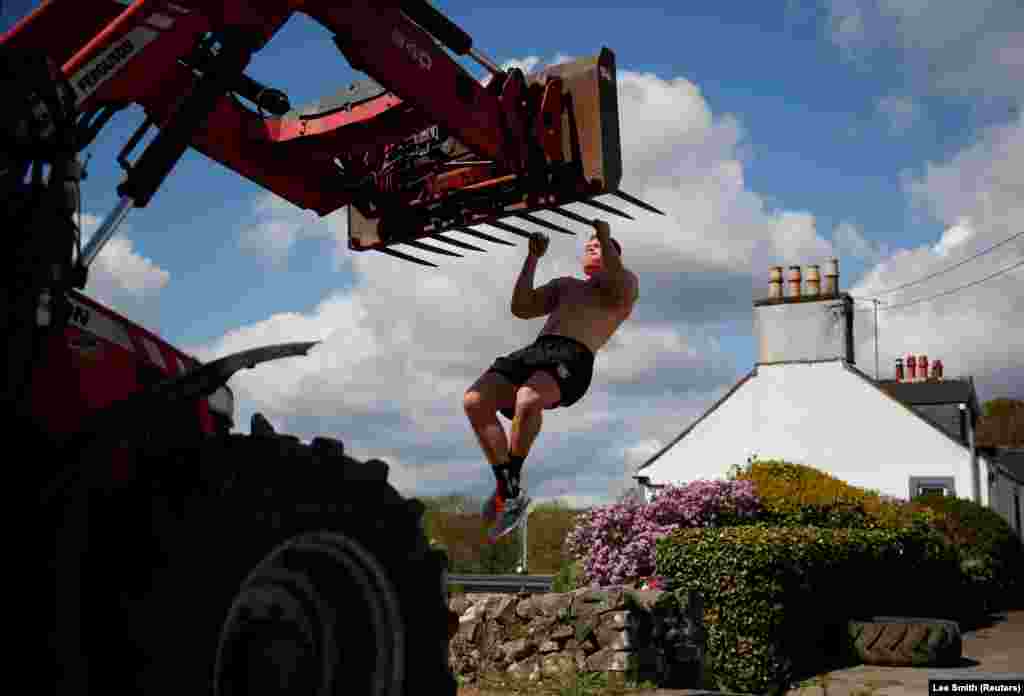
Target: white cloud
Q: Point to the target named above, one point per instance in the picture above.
(953, 237)
(979, 195)
(279, 225)
(121, 278)
(902, 112)
(402, 345)
(957, 49)
(981, 183)
(849, 241)
(973, 52)
(847, 19)
(527, 64)
(632, 457)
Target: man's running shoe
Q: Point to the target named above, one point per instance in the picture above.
(511, 517)
(493, 507)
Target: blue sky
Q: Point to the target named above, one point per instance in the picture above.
(773, 133)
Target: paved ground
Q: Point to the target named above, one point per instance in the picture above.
(996, 651)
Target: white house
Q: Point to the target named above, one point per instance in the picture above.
(1007, 481)
(806, 402)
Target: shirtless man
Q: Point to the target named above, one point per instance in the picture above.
(555, 370)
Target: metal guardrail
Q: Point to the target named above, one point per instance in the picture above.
(503, 583)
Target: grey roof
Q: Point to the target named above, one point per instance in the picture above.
(1013, 462)
(907, 404)
(945, 391)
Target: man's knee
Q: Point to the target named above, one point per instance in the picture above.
(529, 400)
(476, 404)
(539, 392)
(472, 400)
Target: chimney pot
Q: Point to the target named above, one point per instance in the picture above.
(922, 364)
(937, 369)
(775, 282)
(794, 281)
(832, 277)
(899, 369)
(813, 281)
(911, 368)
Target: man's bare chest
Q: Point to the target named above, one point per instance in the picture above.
(582, 299)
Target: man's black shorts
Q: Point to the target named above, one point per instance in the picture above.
(570, 362)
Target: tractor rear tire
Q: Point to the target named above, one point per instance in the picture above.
(259, 564)
(907, 642)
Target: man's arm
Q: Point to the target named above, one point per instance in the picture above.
(528, 302)
(622, 285)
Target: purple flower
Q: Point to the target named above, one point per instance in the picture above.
(617, 542)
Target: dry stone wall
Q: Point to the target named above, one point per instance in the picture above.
(647, 635)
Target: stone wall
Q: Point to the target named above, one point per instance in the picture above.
(646, 635)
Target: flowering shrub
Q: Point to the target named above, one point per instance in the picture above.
(786, 487)
(706, 504)
(616, 543)
(655, 582)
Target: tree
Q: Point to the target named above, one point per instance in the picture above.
(1001, 423)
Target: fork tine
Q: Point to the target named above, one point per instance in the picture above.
(454, 242)
(483, 235)
(607, 209)
(544, 223)
(572, 216)
(636, 201)
(400, 255)
(509, 228)
(427, 247)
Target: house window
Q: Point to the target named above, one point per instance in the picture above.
(932, 485)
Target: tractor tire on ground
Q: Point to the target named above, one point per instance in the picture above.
(907, 642)
(258, 564)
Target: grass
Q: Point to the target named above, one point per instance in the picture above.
(576, 684)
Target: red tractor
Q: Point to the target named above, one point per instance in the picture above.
(180, 556)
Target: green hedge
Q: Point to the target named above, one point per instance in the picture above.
(991, 554)
(777, 599)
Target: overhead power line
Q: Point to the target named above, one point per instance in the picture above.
(950, 268)
(957, 289)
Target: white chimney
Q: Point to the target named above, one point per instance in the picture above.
(802, 327)
(832, 277)
(775, 283)
(813, 281)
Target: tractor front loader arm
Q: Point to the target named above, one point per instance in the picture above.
(420, 149)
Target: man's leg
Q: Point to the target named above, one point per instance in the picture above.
(481, 403)
(539, 392)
